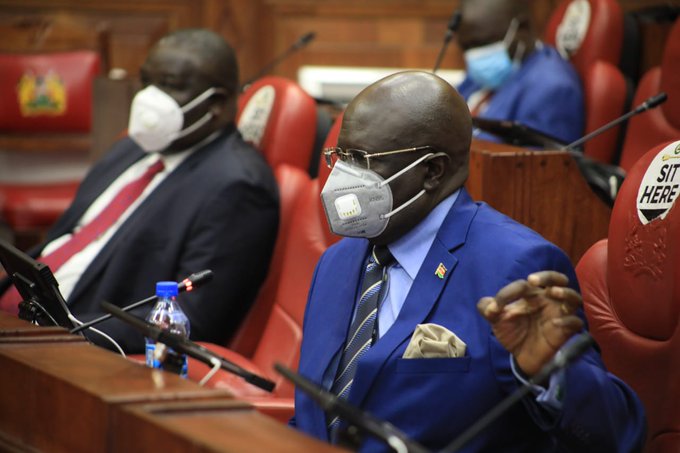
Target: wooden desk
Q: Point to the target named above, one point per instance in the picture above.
(61, 395)
(209, 426)
(541, 189)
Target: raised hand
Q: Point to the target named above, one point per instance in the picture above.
(533, 318)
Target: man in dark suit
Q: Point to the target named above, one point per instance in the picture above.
(212, 204)
(425, 356)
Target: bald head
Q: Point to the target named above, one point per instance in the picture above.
(410, 109)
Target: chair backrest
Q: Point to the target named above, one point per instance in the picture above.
(293, 183)
(47, 93)
(308, 238)
(589, 33)
(585, 31)
(605, 94)
(279, 118)
(662, 123)
(631, 295)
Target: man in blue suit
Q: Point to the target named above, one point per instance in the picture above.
(511, 75)
(424, 356)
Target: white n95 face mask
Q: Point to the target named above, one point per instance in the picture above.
(156, 119)
(358, 201)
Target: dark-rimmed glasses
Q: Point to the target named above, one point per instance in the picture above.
(358, 156)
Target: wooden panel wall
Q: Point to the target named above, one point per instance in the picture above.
(394, 33)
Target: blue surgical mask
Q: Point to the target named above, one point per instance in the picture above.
(490, 66)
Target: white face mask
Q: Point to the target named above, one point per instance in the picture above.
(358, 201)
(156, 120)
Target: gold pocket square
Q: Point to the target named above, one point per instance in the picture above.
(434, 341)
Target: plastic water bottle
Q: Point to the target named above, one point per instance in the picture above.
(167, 314)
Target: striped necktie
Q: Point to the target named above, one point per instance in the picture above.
(88, 233)
(363, 331)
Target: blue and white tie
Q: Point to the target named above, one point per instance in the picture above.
(362, 331)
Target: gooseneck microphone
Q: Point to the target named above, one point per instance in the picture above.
(650, 103)
(188, 284)
(359, 420)
(451, 27)
(185, 346)
(562, 358)
(297, 45)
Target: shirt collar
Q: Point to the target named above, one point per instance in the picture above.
(410, 250)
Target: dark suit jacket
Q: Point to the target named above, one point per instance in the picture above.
(217, 210)
(434, 400)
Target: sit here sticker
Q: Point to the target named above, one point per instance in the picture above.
(660, 186)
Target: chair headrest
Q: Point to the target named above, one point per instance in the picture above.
(47, 92)
(585, 31)
(670, 76)
(279, 118)
(643, 268)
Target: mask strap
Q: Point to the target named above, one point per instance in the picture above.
(200, 98)
(512, 31)
(198, 123)
(405, 169)
(394, 211)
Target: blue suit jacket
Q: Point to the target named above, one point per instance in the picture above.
(434, 400)
(545, 93)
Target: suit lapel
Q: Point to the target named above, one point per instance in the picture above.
(159, 195)
(434, 273)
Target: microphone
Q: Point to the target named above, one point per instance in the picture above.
(185, 346)
(188, 284)
(650, 103)
(451, 27)
(359, 420)
(561, 360)
(297, 45)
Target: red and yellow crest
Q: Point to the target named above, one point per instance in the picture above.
(41, 94)
(440, 271)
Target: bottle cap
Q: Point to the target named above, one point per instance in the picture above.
(166, 289)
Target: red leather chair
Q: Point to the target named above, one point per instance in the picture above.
(279, 118)
(596, 57)
(631, 295)
(47, 111)
(279, 340)
(662, 123)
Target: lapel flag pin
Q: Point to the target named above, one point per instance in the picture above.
(441, 271)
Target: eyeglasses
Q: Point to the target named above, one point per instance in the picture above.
(358, 156)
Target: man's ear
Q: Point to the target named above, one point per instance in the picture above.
(436, 169)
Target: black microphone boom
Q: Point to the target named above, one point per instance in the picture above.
(188, 284)
(562, 358)
(185, 346)
(650, 103)
(361, 420)
(297, 45)
(451, 28)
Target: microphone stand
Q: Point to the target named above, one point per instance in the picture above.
(297, 45)
(188, 284)
(188, 347)
(563, 358)
(361, 422)
(451, 28)
(648, 104)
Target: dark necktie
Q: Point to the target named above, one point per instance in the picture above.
(88, 233)
(361, 333)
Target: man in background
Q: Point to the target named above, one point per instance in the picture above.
(392, 323)
(181, 194)
(512, 75)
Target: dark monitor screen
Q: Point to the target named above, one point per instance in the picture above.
(37, 285)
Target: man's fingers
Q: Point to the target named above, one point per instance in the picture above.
(548, 278)
(514, 291)
(489, 309)
(568, 299)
